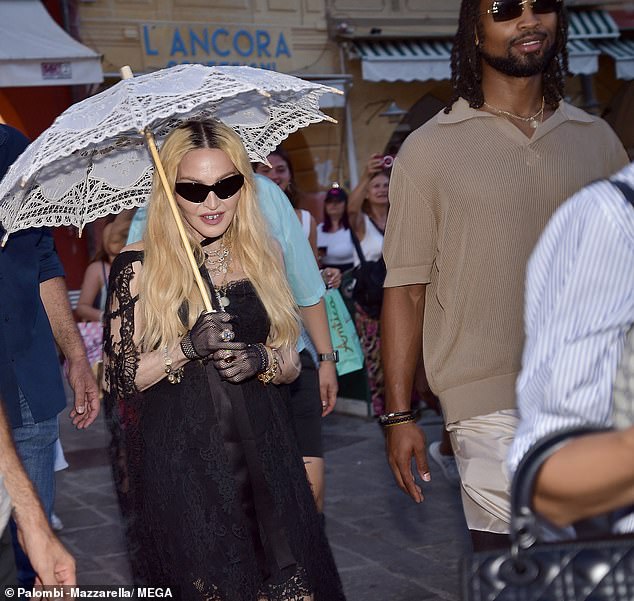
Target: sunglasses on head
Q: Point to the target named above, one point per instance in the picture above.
(223, 189)
(507, 10)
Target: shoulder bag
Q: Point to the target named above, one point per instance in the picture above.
(369, 276)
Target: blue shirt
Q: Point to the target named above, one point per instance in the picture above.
(28, 358)
(579, 309)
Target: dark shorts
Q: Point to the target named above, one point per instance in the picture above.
(305, 408)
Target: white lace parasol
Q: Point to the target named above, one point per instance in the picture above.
(93, 161)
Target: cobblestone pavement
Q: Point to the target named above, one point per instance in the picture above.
(387, 548)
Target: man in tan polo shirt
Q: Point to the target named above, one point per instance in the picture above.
(470, 192)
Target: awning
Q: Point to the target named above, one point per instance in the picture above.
(36, 51)
(590, 32)
(591, 25)
(583, 57)
(622, 51)
(404, 60)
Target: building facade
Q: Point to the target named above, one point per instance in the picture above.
(391, 57)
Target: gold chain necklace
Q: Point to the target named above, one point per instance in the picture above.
(532, 120)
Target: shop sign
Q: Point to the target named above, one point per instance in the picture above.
(168, 45)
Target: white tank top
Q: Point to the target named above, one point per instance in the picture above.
(305, 221)
(372, 243)
(339, 246)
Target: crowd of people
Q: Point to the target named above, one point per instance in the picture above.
(492, 262)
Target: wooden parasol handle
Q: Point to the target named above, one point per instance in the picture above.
(126, 73)
(149, 138)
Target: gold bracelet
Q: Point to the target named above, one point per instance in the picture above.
(174, 376)
(398, 422)
(268, 375)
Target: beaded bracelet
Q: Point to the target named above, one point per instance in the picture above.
(188, 348)
(174, 376)
(388, 418)
(398, 421)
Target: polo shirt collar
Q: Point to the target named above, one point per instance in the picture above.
(461, 111)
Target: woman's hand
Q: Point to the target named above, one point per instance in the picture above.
(212, 332)
(241, 365)
(331, 277)
(374, 164)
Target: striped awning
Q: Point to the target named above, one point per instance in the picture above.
(583, 57)
(590, 33)
(403, 60)
(591, 25)
(622, 51)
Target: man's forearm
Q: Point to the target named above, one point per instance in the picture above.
(590, 475)
(25, 503)
(54, 295)
(401, 337)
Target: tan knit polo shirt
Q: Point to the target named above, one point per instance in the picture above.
(469, 196)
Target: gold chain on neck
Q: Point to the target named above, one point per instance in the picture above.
(532, 120)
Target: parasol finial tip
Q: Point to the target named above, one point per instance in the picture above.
(126, 72)
(4, 239)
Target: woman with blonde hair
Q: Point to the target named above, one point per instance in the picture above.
(210, 482)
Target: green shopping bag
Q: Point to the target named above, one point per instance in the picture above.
(343, 333)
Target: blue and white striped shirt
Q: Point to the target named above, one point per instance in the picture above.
(579, 308)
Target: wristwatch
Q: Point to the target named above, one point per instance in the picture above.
(334, 356)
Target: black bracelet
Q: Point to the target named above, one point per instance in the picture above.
(188, 348)
(264, 357)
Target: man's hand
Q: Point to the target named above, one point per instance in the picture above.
(328, 386)
(53, 565)
(82, 381)
(404, 442)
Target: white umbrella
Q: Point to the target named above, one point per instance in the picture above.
(93, 161)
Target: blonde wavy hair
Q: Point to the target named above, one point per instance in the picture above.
(167, 283)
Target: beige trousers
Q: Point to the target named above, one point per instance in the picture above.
(480, 445)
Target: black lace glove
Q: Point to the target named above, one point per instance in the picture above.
(240, 365)
(211, 332)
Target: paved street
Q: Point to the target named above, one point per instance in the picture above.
(386, 547)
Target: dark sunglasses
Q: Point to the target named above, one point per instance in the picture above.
(334, 199)
(223, 189)
(507, 10)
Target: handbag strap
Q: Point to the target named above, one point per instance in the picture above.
(525, 523)
(626, 190)
(357, 246)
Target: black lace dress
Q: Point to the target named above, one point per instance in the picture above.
(211, 486)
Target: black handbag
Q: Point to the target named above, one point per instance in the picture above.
(599, 569)
(368, 287)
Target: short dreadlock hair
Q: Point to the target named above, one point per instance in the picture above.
(466, 62)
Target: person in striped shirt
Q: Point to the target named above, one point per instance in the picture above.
(578, 319)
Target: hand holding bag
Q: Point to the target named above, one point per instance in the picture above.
(594, 570)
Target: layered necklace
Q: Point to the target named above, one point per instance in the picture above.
(218, 262)
(533, 121)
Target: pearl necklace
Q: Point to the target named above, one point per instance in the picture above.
(532, 120)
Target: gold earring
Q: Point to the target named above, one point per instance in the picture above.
(477, 39)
